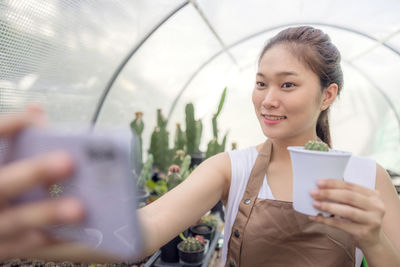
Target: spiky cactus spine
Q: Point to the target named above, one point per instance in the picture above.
(316, 145)
(191, 244)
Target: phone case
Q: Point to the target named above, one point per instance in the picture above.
(102, 181)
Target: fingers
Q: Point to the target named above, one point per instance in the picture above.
(37, 215)
(351, 198)
(10, 124)
(340, 184)
(22, 243)
(18, 177)
(345, 211)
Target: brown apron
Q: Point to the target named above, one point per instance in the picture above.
(271, 233)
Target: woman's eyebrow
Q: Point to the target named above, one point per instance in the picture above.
(283, 73)
(287, 73)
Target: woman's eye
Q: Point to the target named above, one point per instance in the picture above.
(287, 85)
(260, 84)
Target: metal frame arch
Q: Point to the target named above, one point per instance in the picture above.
(203, 65)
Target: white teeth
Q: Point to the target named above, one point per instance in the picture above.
(274, 118)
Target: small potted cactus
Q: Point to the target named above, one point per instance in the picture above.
(310, 163)
(202, 229)
(191, 250)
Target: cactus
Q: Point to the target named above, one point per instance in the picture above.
(210, 220)
(193, 130)
(184, 172)
(173, 178)
(180, 138)
(137, 127)
(234, 145)
(159, 143)
(191, 244)
(316, 145)
(146, 172)
(213, 147)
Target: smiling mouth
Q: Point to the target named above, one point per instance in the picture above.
(273, 117)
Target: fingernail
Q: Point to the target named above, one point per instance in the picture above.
(317, 204)
(314, 192)
(321, 182)
(312, 218)
(60, 164)
(70, 210)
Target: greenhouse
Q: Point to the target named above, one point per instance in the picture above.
(178, 77)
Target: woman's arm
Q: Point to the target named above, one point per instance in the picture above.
(175, 211)
(370, 216)
(387, 251)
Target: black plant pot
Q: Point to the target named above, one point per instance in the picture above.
(204, 230)
(196, 159)
(169, 252)
(191, 257)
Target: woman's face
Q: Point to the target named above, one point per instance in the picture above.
(287, 96)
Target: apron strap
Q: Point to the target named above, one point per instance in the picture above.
(246, 204)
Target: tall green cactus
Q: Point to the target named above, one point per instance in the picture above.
(180, 138)
(184, 172)
(159, 144)
(214, 147)
(145, 174)
(193, 130)
(137, 126)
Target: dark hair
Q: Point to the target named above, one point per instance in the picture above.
(314, 48)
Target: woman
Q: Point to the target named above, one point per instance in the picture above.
(298, 78)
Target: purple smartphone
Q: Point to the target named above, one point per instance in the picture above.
(102, 181)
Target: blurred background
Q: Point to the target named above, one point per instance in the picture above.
(101, 61)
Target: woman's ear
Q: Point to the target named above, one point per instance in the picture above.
(329, 95)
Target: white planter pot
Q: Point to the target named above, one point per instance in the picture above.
(309, 166)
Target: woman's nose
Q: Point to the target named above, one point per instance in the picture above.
(271, 99)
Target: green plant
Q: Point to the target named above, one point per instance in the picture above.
(191, 244)
(214, 147)
(173, 178)
(159, 143)
(185, 171)
(145, 174)
(210, 220)
(137, 126)
(194, 130)
(180, 139)
(316, 145)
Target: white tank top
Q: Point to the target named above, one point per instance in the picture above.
(359, 170)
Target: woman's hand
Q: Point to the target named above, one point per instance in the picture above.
(358, 210)
(21, 225)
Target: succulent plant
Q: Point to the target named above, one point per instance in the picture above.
(184, 172)
(210, 220)
(316, 145)
(194, 130)
(137, 126)
(173, 178)
(191, 244)
(159, 143)
(145, 174)
(214, 147)
(180, 138)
